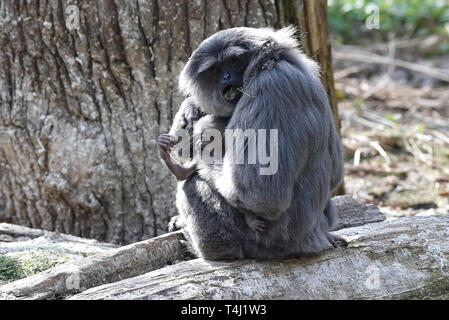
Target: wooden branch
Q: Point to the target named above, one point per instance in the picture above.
(16, 231)
(367, 57)
(352, 213)
(12, 239)
(422, 42)
(340, 74)
(114, 265)
(142, 257)
(406, 258)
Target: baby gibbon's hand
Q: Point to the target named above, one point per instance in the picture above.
(165, 143)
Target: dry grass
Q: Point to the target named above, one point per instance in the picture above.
(396, 139)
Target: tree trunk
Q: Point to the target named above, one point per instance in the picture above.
(81, 109)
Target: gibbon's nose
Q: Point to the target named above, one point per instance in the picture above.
(229, 78)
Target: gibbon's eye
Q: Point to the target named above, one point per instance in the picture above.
(214, 71)
(235, 63)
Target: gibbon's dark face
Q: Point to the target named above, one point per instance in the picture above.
(228, 77)
(217, 68)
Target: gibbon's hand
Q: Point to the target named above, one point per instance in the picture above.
(165, 143)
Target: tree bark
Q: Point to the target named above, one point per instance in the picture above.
(80, 109)
(107, 267)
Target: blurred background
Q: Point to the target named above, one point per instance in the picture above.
(392, 87)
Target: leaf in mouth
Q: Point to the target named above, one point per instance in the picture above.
(235, 91)
(231, 93)
(240, 89)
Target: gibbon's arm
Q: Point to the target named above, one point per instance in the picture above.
(286, 97)
(188, 113)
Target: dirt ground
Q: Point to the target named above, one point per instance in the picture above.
(395, 131)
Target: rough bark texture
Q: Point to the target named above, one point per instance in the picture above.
(14, 238)
(406, 258)
(125, 262)
(315, 42)
(139, 258)
(80, 110)
(352, 213)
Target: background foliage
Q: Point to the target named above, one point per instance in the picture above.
(401, 18)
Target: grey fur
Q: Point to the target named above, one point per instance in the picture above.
(184, 172)
(295, 201)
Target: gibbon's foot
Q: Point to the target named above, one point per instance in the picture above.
(333, 239)
(175, 224)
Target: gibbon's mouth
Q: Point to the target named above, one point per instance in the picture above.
(231, 93)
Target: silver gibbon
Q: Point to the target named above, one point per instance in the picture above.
(258, 79)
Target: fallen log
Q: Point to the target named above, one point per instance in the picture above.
(15, 238)
(16, 231)
(406, 258)
(114, 265)
(352, 213)
(142, 257)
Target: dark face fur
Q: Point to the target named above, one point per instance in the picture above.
(227, 76)
(217, 68)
